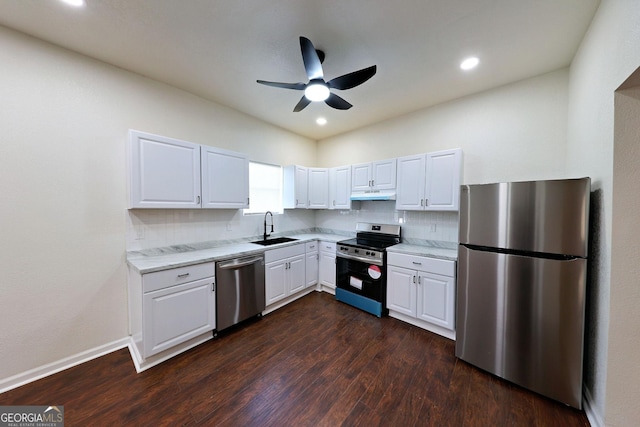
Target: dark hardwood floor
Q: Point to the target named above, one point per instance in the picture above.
(315, 362)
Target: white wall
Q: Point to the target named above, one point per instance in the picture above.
(64, 121)
(623, 393)
(609, 53)
(515, 132)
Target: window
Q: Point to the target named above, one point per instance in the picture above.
(265, 188)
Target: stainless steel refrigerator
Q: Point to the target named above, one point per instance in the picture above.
(522, 270)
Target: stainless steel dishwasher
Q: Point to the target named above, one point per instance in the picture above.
(240, 290)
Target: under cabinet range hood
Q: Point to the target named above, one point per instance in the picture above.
(374, 195)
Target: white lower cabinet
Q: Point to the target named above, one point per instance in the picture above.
(327, 266)
(421, 291)
(285, 272)
(311, 265)
(175, 306)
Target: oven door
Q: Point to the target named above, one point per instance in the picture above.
(361, 278)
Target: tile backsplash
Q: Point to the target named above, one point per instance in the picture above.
(153, 228)
(416, 225)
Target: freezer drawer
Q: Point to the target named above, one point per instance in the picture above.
(522, 318)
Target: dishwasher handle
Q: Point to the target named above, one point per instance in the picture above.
(238, 263)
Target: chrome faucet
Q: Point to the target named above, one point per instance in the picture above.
(265, 224)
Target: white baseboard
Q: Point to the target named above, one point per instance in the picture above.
(151, 361)
(287, 300)
(424, 325)
(595, 418)
(35, 374)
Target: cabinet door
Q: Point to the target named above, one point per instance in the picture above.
(436, 299)
(327, 269)
(318, 188)
(301, 187)
(361, 177)
(163, 172)
(294, 188)
(384, 174)
(443, 180)
(297, 274)
(311, 266)
(176, 314)
(275, 281)
(340, 187)
(225, 179)
(401, 290)
(411, 183)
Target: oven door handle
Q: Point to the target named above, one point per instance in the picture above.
(361, 259)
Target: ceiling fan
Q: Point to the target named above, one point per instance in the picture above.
(317, 89)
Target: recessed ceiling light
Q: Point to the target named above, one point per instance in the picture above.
(469, 63)
(321, 121)
(75, 3)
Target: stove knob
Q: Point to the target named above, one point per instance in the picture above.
(369, 253)
(356, 251)
(373, 254)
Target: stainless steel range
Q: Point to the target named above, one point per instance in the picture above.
(361, 267)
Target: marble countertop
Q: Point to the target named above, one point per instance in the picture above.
(182, 255)
(148, 261)
(428, 249)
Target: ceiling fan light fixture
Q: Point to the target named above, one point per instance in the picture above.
(74, 3)
(316, 92)
(469, 63)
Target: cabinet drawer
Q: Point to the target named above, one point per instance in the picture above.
(312, 246)
(431, 265)
(282, 253)
(327, 246)
(177, 276)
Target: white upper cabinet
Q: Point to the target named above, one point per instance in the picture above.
(444, 170)
(170, 173)
(380, 175)
(225, 179)
(411, 182)
(163, 172)
(294, 188)
(306, 188)
(318, 188)
(429, 181)
(340, 187)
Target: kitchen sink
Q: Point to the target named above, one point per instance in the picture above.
(269, 242)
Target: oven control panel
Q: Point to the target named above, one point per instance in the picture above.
(360, 254)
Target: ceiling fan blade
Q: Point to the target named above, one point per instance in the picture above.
(301, 104)
(312, 64)
(296, 86)
(352, 79)
(336, 102)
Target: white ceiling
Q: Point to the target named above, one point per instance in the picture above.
(217, 49)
